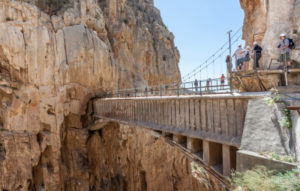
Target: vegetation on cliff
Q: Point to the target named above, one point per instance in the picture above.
(262, 179)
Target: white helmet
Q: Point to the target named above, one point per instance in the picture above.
(255, 43)
(282, 35)
(248, 47)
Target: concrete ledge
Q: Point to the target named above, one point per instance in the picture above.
(247, 160)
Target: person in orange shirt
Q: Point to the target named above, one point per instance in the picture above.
(222, 81)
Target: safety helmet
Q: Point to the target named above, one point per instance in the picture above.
(282, 35)
(255, 43)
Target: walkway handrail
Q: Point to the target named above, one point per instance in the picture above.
(197, 87)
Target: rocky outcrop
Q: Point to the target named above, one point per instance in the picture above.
(265, 20)
(54, 57)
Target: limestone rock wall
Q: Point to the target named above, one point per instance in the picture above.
(54, 57)
(265, 20)
(139, 160)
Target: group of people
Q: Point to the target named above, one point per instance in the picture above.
(243, 56)
(209, 83)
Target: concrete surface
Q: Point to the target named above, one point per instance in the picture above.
(262, 131)
(296, 134)
(247, 160)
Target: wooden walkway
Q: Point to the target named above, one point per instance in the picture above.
(215, 118)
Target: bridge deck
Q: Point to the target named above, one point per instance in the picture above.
(216, 118)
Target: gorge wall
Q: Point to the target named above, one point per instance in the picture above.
(123, 157)
(265, 20)
(54, 57)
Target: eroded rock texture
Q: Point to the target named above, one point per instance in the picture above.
(55, 56)
(265, 20)
(141, 161)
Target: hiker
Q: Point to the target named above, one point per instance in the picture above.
(285, 50)
(167, 88)
(246, 59)
(146, 91)
(196, 85)
(222, 81)
(208, 84)
(239, 55)
(256, 53)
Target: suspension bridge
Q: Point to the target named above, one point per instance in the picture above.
(204, 79)
(214, 66)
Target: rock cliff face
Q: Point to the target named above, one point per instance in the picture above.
(265, 20)
(54, 57)
(141, 160)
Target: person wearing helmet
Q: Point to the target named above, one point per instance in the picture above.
(256, 53)
(284, 50)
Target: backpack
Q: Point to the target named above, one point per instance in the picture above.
(258, 49)
(291, 43)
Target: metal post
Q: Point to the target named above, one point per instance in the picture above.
(230, 83)
(229, 35)
(285, 71)
(146, 91)
(200, 86)
(160, 91)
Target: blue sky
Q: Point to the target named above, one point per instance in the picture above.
(200, 28)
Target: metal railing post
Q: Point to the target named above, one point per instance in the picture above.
(146, 92)
(200, 86)
(230, 79)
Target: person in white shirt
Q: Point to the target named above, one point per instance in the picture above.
(239, 56)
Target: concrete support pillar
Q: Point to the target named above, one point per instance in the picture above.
(179, 139)
(226, 160)
(194, 145)
(206, 151)
(229, 159)
(212, 153)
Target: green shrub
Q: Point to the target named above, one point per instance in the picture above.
(261, 179)
(272, 100)
(285, 122)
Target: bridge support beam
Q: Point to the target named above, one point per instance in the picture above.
(194, 145)
(179, 139)
(212, 153)
(227, 157)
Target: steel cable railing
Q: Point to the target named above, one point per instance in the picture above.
(212, 58)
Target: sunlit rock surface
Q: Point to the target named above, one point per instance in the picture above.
(54, 57)
(265, 20)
